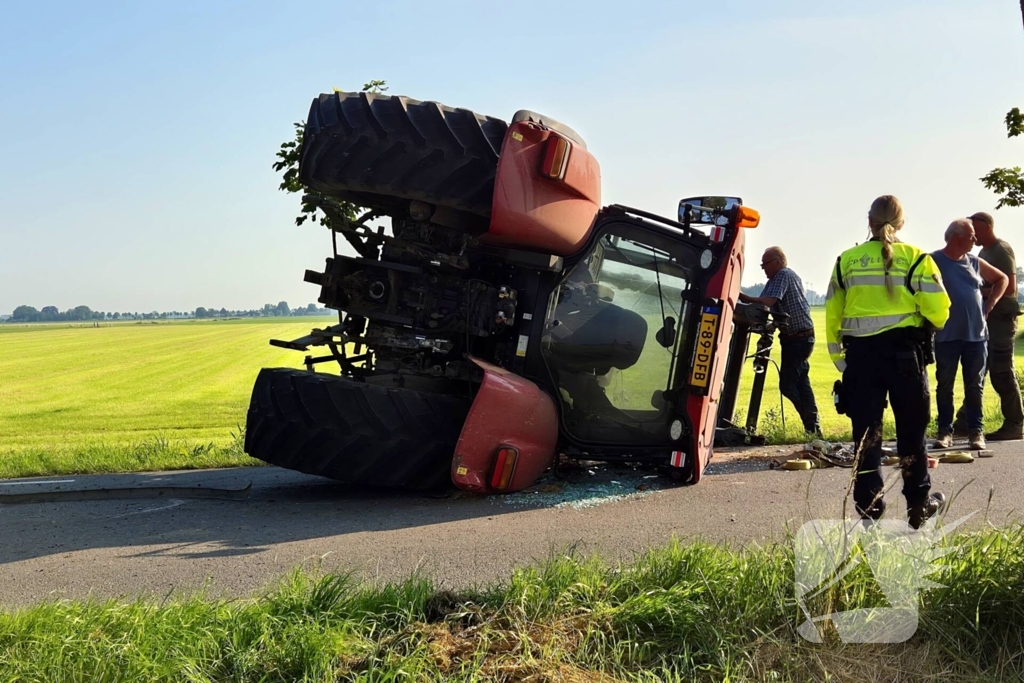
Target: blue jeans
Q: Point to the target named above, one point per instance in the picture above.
(972, 356)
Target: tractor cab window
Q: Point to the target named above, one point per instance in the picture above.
(615, 328)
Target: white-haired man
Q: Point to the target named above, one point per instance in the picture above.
(964, 339)
(784, 293)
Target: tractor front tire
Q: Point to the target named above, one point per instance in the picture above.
(353, 432)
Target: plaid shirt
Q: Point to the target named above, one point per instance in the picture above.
(787, 287)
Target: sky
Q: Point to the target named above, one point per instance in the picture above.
(137, 138)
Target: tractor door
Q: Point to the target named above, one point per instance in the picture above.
(714, 322)
(636, 336)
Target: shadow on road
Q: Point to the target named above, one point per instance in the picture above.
(283, 507)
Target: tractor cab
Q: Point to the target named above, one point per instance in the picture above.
(614, 330)
(636, 334)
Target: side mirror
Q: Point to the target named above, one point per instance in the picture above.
(707, 210)
(666, 336)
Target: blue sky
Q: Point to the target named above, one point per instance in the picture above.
(137, 138)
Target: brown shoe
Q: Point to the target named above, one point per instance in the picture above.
(944, 440)
(1006, 434)
(977, 441)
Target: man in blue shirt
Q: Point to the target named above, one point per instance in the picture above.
(784, 293)
(963, 340)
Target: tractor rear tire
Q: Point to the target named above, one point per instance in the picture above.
(373, 149)
(353, 432)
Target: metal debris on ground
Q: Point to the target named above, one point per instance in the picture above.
(820, 453)
(817, 454)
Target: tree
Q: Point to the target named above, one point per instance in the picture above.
(283, 309)
(49, 313)
(1009, 182)
(200, 312)
(312, 201)
(26, 314)
(80, 313)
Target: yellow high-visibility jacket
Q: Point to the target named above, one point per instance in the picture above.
(859, 305)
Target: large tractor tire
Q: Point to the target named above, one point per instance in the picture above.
(373, 149)
(354, 432)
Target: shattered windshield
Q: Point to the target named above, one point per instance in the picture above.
(602, 341)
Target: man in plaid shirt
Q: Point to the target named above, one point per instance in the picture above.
(784, 293)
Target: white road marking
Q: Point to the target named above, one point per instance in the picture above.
(28, 483)
(170, 504)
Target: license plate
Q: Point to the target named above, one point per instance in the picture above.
(707, 334)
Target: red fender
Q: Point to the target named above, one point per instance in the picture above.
(508, 411)
(537, 213)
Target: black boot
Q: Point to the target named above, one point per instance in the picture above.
(919, 514)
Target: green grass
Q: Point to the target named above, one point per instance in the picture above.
(173, 395)
(132, 396)
(685, 612)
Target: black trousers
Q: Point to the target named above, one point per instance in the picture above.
(887, 365)
(794, 379)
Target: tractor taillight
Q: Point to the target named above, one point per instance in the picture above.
(504, 466)
(556, 157)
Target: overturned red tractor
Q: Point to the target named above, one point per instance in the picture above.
(505, 317)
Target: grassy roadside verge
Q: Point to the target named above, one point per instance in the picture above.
(153, 454)
(684, 612)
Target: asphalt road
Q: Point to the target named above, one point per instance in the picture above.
(126, 548)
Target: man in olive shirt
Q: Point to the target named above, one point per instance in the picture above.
(1002, 330)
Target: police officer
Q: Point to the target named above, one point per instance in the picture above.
(882, 302)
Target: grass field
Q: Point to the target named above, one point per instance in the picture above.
(149, 396)
(685, 612)
(123, 397)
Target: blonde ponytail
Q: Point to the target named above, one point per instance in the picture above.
(885, 219)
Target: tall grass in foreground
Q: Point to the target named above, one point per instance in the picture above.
(684, 612)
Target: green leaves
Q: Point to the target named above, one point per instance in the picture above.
(289, 155)
(1014, 123)
(1008, 182)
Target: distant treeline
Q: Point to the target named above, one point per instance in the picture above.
(29, 314)
(813, 298)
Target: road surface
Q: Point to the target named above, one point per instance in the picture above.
(128, 548)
